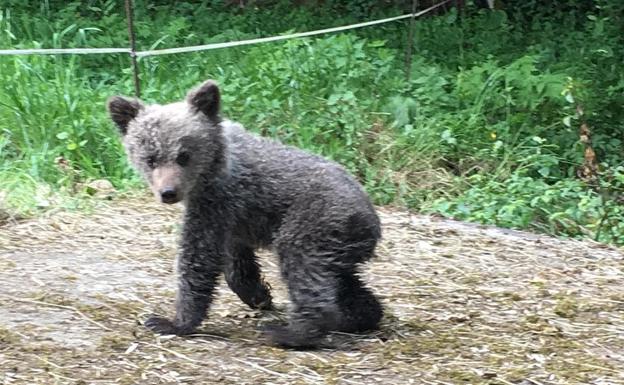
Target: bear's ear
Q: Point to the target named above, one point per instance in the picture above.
(206, 98)
(123, 110)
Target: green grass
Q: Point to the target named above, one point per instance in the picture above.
(484, 130)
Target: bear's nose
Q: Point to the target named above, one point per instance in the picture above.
(169, 195)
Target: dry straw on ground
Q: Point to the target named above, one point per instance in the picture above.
(465, 304)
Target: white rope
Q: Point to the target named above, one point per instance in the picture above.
(206, 47)
(283, 37)
(54, 51)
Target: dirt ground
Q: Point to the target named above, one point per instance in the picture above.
(465, 305)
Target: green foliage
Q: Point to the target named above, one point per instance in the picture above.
(566, 206)
(485, 129)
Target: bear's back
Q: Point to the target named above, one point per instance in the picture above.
(276, 184)
(287, 165)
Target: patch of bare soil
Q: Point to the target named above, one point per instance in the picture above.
(465, 305)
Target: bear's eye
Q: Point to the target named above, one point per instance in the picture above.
(183, 158)
(151, 162)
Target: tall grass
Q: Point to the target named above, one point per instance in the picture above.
(483, 130)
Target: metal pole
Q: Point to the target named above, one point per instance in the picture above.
(410, 43)
(133, 57)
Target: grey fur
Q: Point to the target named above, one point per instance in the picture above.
(243, 192)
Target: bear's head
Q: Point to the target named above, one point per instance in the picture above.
(174, 145)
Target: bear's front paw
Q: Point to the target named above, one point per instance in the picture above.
(162, 325)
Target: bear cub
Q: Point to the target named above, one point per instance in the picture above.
(243, 192)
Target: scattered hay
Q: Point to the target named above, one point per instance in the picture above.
(465, 304)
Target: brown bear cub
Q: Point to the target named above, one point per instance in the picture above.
(243, 192)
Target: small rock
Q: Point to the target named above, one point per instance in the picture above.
(100, 187)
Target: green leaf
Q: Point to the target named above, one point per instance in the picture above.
(544, 171)
(377, 43)
(62, 135)
(569, 98)
(333, 99)
(448, 137)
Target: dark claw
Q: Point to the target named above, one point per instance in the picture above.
(255, 297)
(267, 304)
(164, 326)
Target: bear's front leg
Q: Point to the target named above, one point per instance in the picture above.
(242, 274)
(199, 265)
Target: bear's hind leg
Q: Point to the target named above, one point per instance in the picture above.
(312, 287)
(242, 274)
(360, 308)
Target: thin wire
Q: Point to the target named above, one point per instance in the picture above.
(214, 45)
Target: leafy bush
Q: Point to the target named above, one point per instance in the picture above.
(567, 206)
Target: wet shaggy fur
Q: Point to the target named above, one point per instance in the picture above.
(243, 192)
